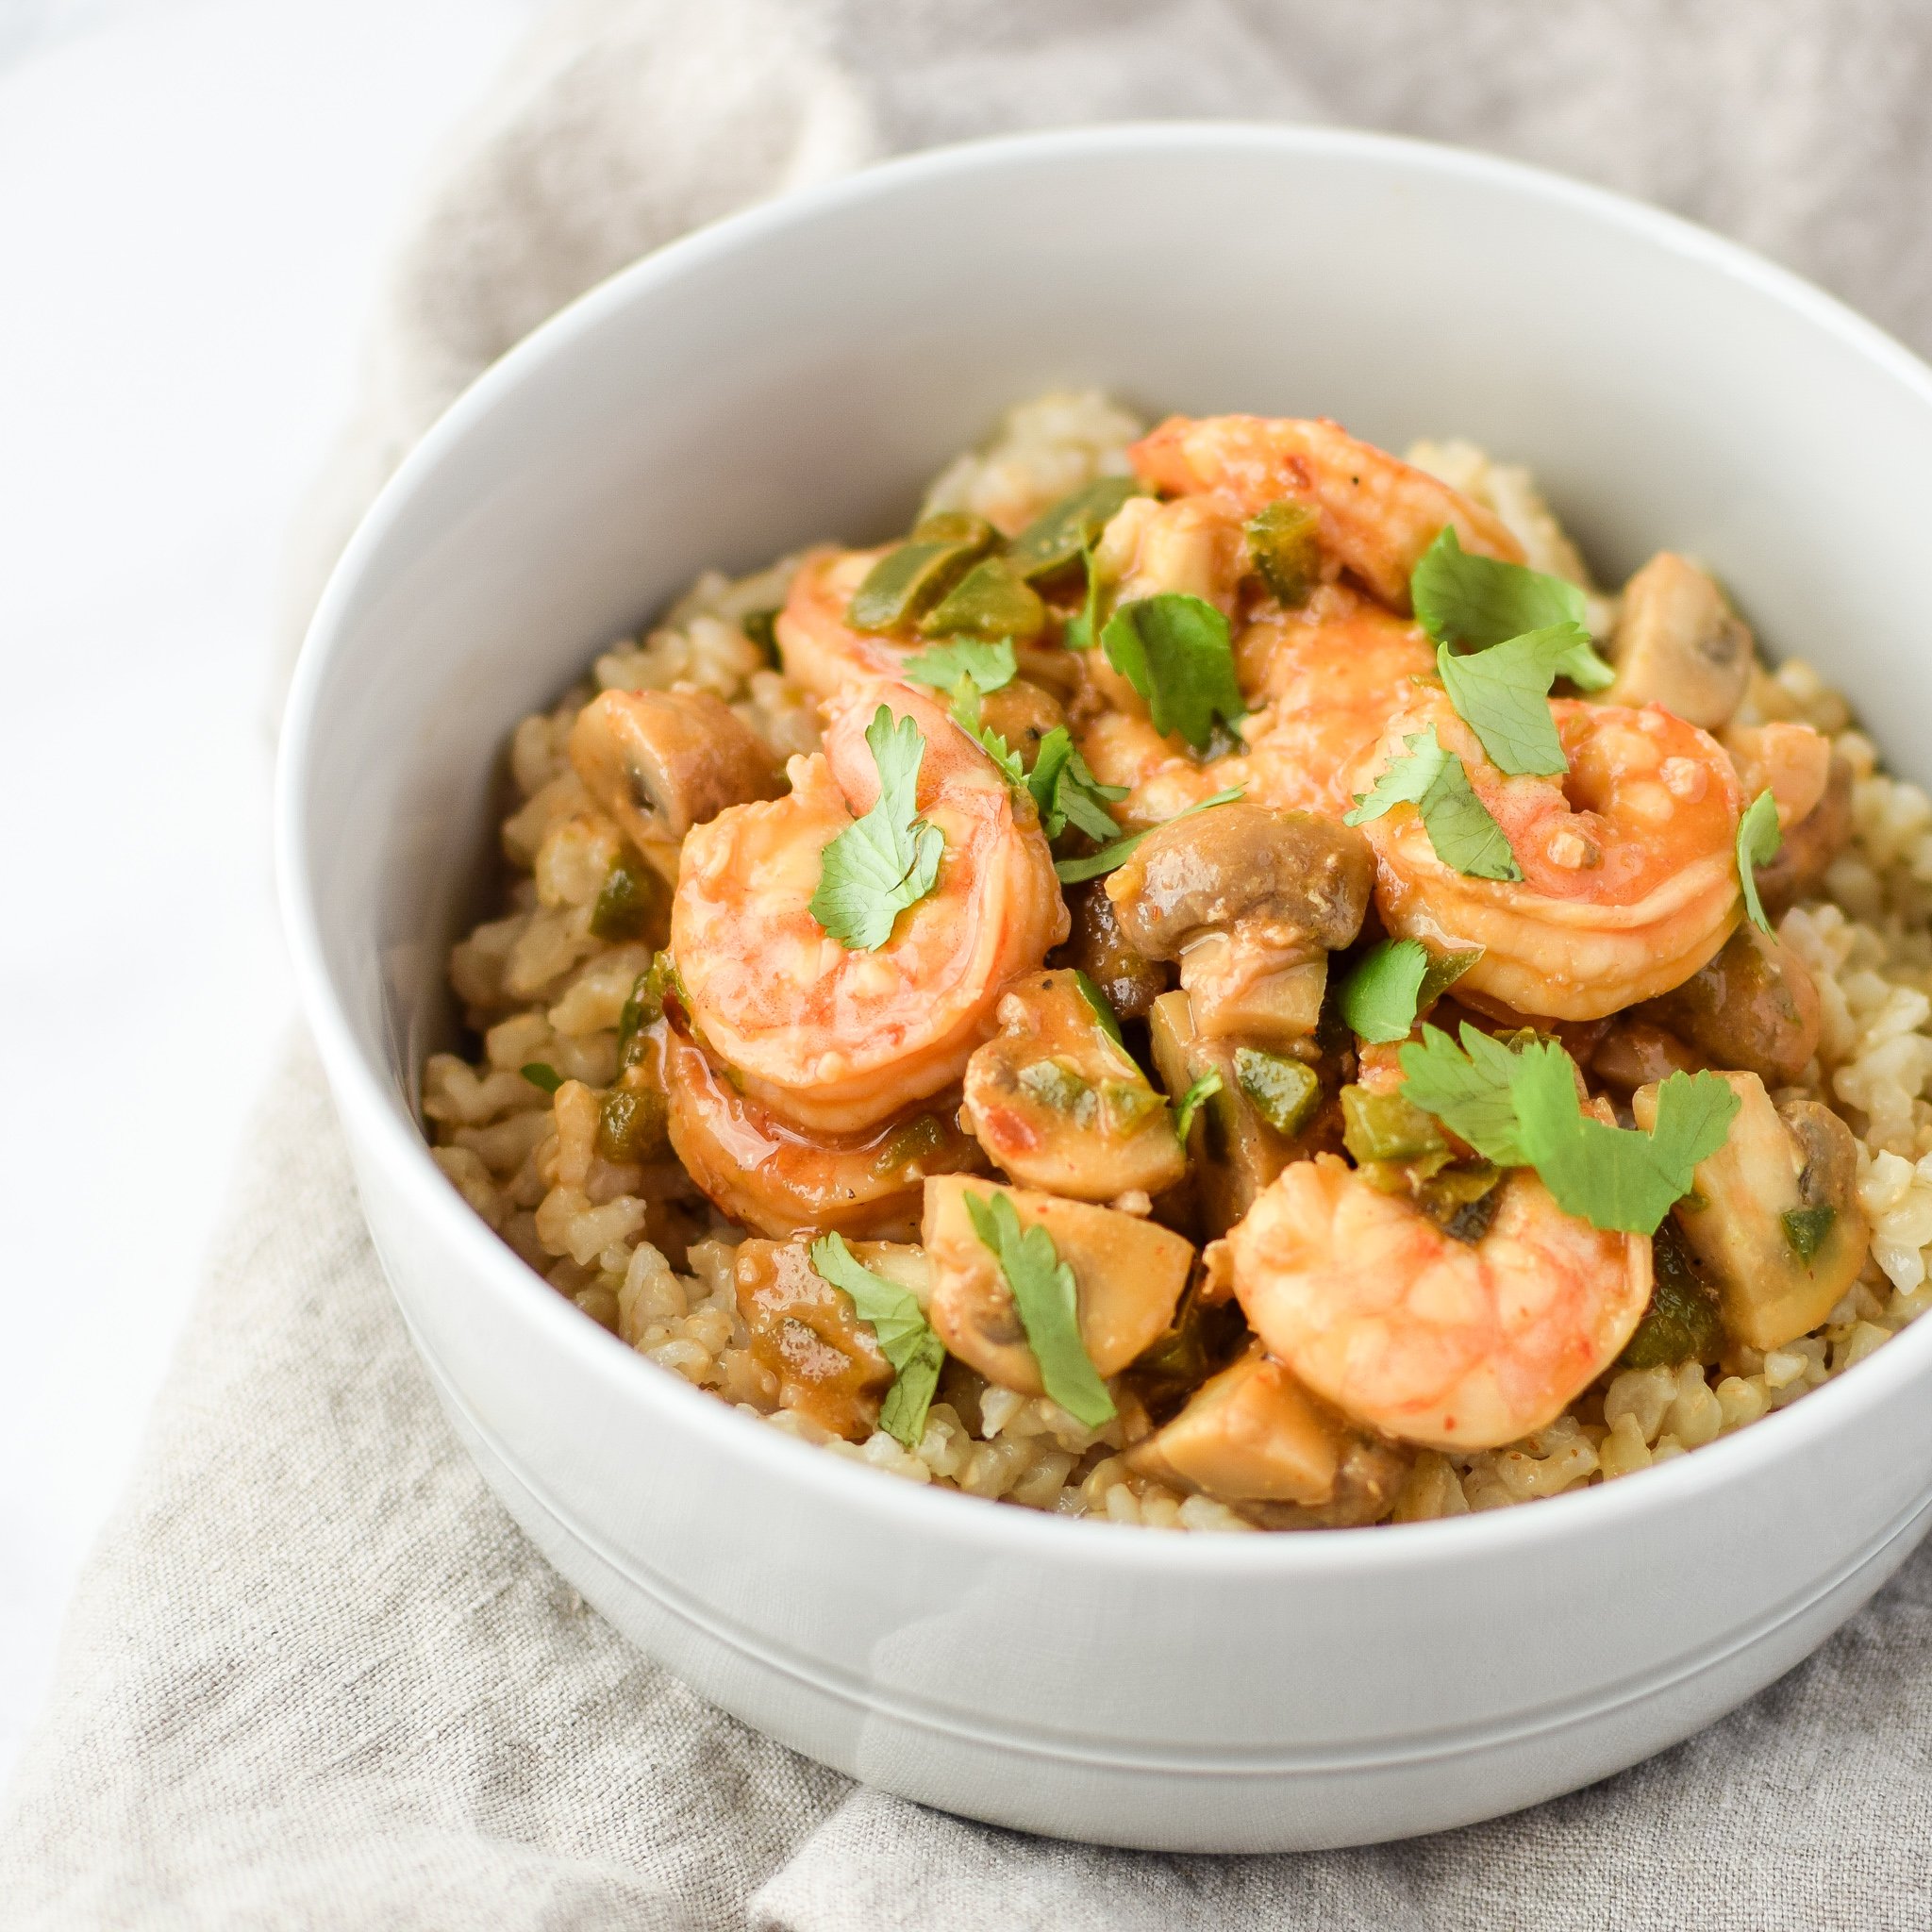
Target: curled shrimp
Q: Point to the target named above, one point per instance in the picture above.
(818, 648)
(837, 1040)
(1443, 1342)
(1378, 513)
(771, 1177)
(1630, 878)
(1325, 681)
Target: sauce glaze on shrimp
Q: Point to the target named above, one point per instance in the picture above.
(837, 1040)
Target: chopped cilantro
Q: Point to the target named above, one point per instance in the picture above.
(1072, 871)
(1103, 1007)
(887, 860)
(1758, 842)
(1175, 651)
(1503, 695)
(541, 1075)
(1067, 792)
(1379, 999)
(905, 1336)
(1458, 823)
(1473, 602)
(1191, 1102)
(1518, 1106)
(986, 667)
(1047, 1300)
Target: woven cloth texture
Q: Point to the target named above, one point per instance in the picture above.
(313, 1676)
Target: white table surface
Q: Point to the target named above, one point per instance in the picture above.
(196, 201)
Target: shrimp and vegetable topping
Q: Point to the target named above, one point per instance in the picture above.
(1201, 988)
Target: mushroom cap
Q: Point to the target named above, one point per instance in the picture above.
(1295, 871)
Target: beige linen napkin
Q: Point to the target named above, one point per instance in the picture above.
(314, 1678)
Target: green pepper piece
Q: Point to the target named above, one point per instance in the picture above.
(990, 601)
(1806, 1229)
(760, 627)
(644, 1008)
(1285, 1091)
(1385, 1126)
(1462, 1198)
(956, 526)
(632, 899)
(918, 1140)
(1060, 1089)
(1060, 536)
(1283, 541)
(1126, 1107)
(632, 1124)
(1682, 1322)
(906, 581)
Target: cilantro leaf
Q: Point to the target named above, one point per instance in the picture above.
(1048, 1303)
(904, 1337)
(1175, 651)
(1461, 598)
(1082, 631)
(1191, 1102)
(1518, 1107)
(1467, 1089)
(1458, 823)
(1067, 792)
(1380, 997)
(1503, 695)
(996, 748)
(542, 1076)
(887, 860)
(1758, 842)
(1072, 871)
(987, 667)
(1103, 1007)
(1616, 1177)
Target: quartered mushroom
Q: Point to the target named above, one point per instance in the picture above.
(1754, 1004)
(1131, 981)
(1678, 643)
(1251, 1126)
(828, 1365)
(1060, 1104)
(1128, 1275)
(663, 761)
(1774, 1214)
(1251, 902)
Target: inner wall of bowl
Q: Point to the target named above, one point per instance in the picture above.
(798, 375)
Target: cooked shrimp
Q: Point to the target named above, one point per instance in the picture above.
(818, 648)
(1791, 761)
(1630, 878)
(1431, 1340)
(1324, 682)
(770, 1176)
(835, 1040)
(1378, 513)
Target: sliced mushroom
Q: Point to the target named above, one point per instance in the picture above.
(1810, 844)
(1634, 1052)
(1059, 1104)
(1131, 981)
(1251, 1434)
(1251, 902)
(1774, 1214)
(1128, 1275)
(663, 761)
(1754, 1004)
(1021, 713)
(1678, 643)
(1234, 1149)
(828, 1363)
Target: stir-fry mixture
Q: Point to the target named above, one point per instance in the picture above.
(1217, 981)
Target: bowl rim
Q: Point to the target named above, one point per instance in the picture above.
(373, 1108)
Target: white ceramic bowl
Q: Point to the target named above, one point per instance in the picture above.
(796, 372)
